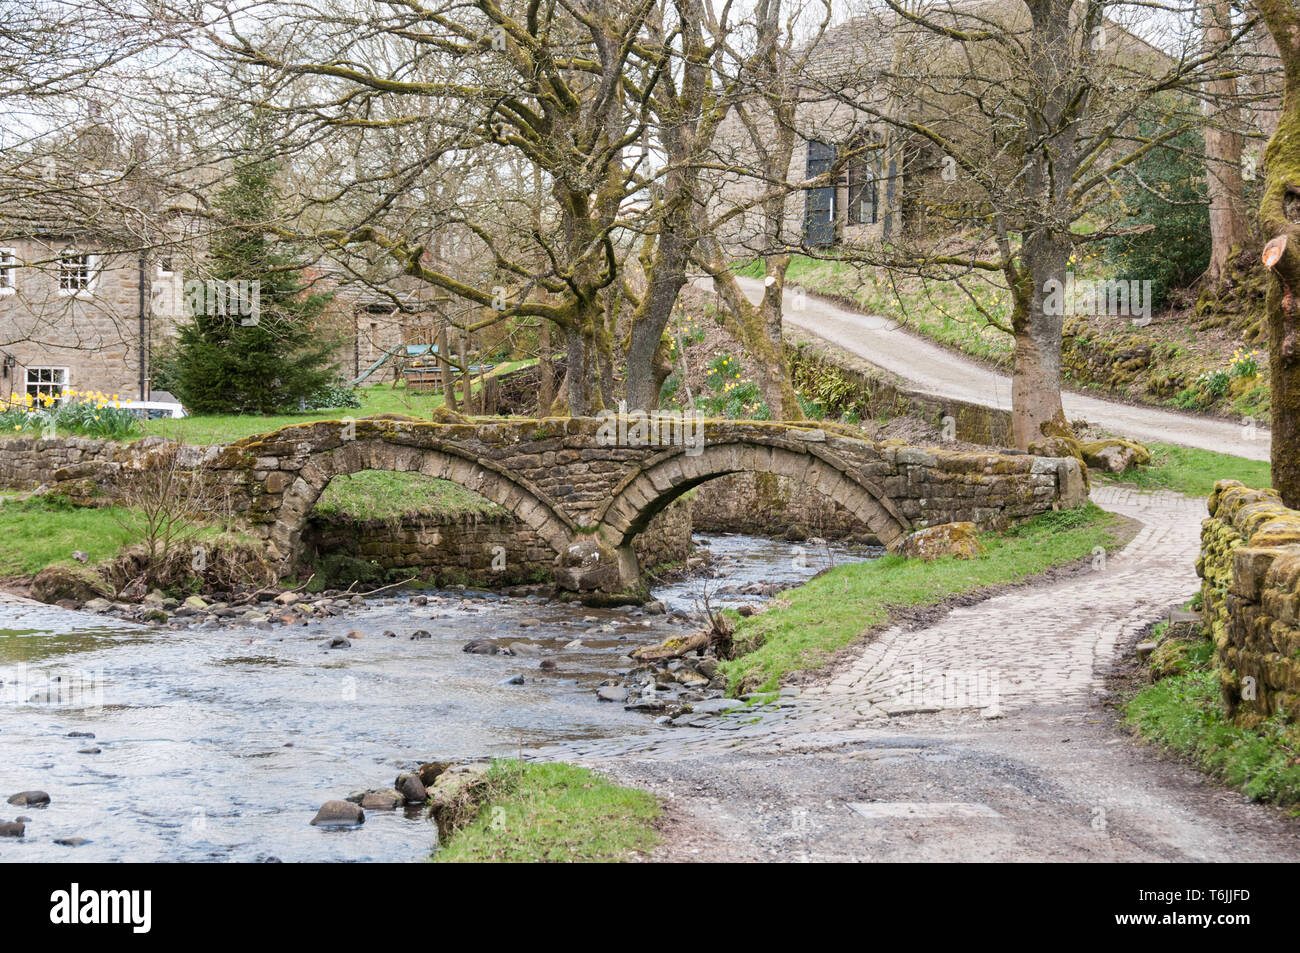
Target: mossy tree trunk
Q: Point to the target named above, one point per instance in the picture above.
(1280, 218)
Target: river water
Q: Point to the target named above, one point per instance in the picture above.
(219, 744)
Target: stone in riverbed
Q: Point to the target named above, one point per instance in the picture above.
(30, 799)
(91, 750)
(339, 814)
(382, 800)
(68, 582)
(480, 647)
(411, 788)
(71, 841)
(12, 828)
(714, 706)
(512, 680)
(612, 693)
(430, 770)
(419, 635)
(339, 642)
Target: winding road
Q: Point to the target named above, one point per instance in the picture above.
(931, 369)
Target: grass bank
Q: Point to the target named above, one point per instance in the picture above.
(1192, 472)
(46, 531)
(388, 495)
(225, 428)
(809, 624)
(1183, 713)
(554, 813)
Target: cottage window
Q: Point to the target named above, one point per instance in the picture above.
(8, 271)
(76, 272)
(46, 381)
(863, 178)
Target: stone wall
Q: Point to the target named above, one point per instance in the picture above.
(461, 549)
(1250, 567)
(875, 395)
(29, 462)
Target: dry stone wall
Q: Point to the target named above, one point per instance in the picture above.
(1250, 567)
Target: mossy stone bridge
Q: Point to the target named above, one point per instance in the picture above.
(588, 488)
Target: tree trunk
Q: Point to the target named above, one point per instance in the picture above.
(576, 376)
(758, 328)
(1279, 216)
(546, 370)
(1036, 376)
(646, 365)
(1229, 227)
(444, 361)
(467, 398)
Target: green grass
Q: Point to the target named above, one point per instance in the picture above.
(225, 428)
(554, 813)
(383, 494)
(42, 532)
(1193, 472)
(1183, 714)
(375, 399)
(829, 612)
(46, 531)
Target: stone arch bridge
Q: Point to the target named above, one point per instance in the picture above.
(588, 488)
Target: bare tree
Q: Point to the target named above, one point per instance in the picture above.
(1019, 117)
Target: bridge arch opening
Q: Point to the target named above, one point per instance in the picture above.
(673, 474)
(511, 493)
(376, 526)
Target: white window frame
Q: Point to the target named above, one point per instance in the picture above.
(8, 271)
(92, 271)
(56, 386)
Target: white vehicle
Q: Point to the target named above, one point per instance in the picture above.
(155, 409)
